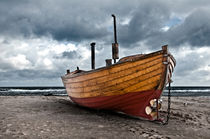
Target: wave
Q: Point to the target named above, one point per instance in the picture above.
(188, 92)
(60, 91)
(33, 91)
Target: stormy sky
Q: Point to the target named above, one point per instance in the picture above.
(40, 39)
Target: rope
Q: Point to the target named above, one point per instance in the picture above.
(169, 104)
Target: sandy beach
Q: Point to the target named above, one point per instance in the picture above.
(57, 117)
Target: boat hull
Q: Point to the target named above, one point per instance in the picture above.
(126, 86)
(132, 103)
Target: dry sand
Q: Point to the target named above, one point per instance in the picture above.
(57, 117)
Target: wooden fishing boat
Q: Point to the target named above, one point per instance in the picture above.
(128, 86)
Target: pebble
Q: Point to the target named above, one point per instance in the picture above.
(100, 126)
(8, 125)
(145, 135)
(132, 130)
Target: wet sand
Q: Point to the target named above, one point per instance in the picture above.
(57, 117)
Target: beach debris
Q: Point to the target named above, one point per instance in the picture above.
(185, 104)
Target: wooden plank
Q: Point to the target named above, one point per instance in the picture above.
(136, 71)
(119, 82)
(113, 76)
(145, 84)
(111, 70)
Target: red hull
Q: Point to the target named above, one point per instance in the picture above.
(132, 103)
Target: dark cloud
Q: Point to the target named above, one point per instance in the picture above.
(195, 30)
(29, 74)
(79, 21)
(5, 65)
(71, 55)
(62, 21)
(145, 23)
(186, 66)
(30, 78)
(71, 30)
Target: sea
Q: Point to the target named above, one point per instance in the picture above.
(60, 91)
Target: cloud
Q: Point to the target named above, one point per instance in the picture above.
(146, 22)
(41, 39)
(36, 53)
(64, 20)
(28, 60)
(30, 78)
(78, 21)
(192, 67)
(70, 55)
(195, 30)
(61, 20)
